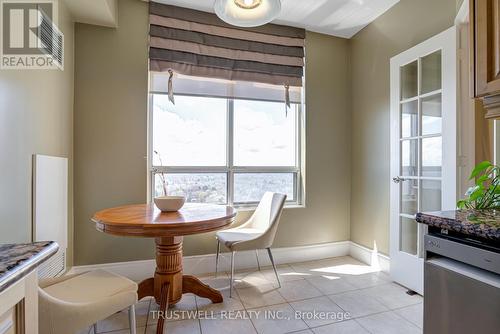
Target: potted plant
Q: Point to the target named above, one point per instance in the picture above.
(165, 202)
(485, 194)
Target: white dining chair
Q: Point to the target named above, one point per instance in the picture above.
(71, 303)
(256, 233)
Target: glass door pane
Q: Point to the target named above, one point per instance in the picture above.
(409, 235)
(432, 156)
(430, 199)
(431, 115)
(409, 157)
(409, 119)
(409, 197)
(409, 80)
(431, 72)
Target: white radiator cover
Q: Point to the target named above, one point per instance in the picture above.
(50, 209)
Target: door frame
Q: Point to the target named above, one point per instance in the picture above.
(407, 269)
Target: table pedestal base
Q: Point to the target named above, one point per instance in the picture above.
(168, 283)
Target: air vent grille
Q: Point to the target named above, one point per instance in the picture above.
(53, 267)
(52, 40)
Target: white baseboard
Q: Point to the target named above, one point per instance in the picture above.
(370, 257)
(203, 264)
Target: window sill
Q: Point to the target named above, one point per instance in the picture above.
(245, 208)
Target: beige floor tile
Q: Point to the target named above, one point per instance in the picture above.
(285, 272)
(298, 290)
(276, 319)
(330, 284)
(249, 279)
(305, 267)
(120, 320)
(367, 280)
(259, 296)
(318, 311)
(388, 323)
(191, 326)
(385, 276)
(139, 330)
(183, 310)
(323, 262)
(279, 267)
(316, 266)
(358, 303)
(227, 326)
(229, 304)
(393, 296)
(414, 314)
(219, 282)
(344, 327)
(331, 267)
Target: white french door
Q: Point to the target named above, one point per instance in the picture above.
(423, 148)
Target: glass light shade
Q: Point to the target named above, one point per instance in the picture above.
(247, 13)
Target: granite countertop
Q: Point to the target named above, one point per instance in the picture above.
(17, 260)
(484, 224)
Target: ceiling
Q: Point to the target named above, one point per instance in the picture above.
(342, 18)
(97, 12)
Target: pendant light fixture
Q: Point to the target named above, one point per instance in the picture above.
(247, 13)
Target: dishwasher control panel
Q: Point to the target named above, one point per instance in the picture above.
(478, 257)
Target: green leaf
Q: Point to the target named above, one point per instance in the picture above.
(480, 167)
(475, 196)
(482, 179)
(473, 190)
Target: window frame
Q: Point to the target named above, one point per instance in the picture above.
(230, 170)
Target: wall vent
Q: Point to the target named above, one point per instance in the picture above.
(52, 40)
(53, 267)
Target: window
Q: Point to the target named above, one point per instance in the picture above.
(226, 151)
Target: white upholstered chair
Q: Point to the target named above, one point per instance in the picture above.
(72, 303)
(256, 233)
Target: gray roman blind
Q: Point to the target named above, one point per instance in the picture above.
(195, 43)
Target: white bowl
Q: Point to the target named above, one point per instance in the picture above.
(169, 203)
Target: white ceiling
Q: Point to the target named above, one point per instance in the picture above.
(343, 18)
(97, 12)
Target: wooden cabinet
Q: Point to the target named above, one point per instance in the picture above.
(485, 53)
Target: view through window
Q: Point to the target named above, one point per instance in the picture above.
(218, 150)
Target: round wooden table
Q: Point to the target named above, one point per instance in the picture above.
(168, 228)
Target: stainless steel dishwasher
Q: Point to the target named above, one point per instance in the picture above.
(461, 284)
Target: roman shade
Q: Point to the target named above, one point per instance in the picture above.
(195, 43)
(201, 86)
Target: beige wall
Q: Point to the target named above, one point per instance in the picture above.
(406, 24)
(110, 139)
(36, 117)
(342, 203)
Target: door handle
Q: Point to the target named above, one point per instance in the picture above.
(398, 179)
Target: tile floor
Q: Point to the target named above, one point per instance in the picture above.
(337, 295)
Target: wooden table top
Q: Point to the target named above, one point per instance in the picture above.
(146, 220)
